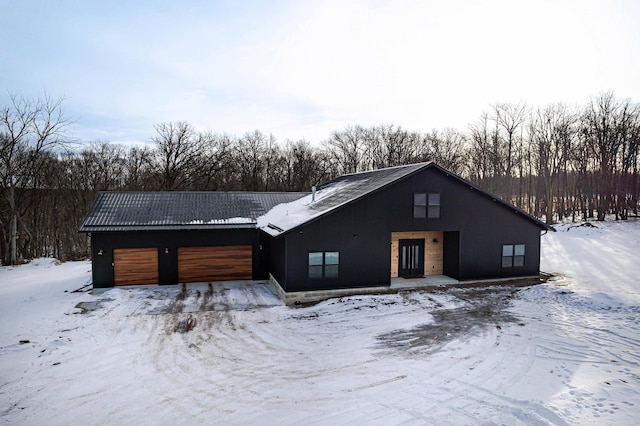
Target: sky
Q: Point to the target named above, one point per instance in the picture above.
(303, 69)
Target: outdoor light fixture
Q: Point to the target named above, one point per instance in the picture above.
(166, 250)
(435, 240)
(100, 252)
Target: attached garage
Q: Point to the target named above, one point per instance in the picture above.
(179, 237)
(135, 266)
(215, 263)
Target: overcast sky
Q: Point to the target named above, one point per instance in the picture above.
(301, 69)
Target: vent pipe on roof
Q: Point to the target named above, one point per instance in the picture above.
(313, 193)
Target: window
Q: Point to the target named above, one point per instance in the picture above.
(434, 206)
(426, 206)
(419, 206)
(324, 264)
(512, 255)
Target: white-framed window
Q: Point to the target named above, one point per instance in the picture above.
(324, 264)
(513, 255)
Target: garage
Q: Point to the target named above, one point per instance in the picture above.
(135, 266)
(215, 263)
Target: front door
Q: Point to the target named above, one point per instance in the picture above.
(411, 258)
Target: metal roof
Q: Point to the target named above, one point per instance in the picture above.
(330, 196)
(137, 211)
(348, 188)
(273, 212)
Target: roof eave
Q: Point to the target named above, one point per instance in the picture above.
(177, 227)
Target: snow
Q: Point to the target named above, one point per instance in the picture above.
(287, 216)
(231, 220)
(564, 352)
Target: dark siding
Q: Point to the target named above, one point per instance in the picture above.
(357, 232)
(475, 228)
(261, 256)
(171, 240)
(277, 259)
(451, 255)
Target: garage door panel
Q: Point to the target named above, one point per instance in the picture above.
(215, 263)
(135, 266)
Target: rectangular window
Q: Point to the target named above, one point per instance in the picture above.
(324, 264)
(434, 206)
(315, 265)
(419, 206)
(513, 255)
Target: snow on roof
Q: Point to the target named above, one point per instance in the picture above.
(330, 196)
(122, 211)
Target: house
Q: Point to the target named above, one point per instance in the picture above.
(357, 232)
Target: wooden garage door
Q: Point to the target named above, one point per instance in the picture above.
(222, 263)
(135, 266)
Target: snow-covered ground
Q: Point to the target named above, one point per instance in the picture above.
(565, 352)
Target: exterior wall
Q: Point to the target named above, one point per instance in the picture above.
(167, 243)
(433, 252)
(474, 229)
(277, 258)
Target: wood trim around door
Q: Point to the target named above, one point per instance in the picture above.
(433, 252)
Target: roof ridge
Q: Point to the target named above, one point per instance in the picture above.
(416, 165)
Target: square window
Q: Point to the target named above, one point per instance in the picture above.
(434, 199)
(419, 199)
(434, 212)
(324, 264)
(513, 255)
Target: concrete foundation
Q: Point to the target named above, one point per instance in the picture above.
(431, 282)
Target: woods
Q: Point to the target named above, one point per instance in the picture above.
(555, 162)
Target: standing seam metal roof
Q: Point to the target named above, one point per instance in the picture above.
(348, 188)
(116, 211)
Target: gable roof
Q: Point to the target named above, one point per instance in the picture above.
(139, 211)
(330, 196)
(348, 188)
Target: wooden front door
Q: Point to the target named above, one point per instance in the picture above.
(411, 258)
(135, 266)
(215, 263)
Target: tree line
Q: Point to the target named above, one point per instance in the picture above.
(554, 162)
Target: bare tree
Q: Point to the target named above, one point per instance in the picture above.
(552, 139)
(218, 171)
(346, 149)
(600, 124)
(138, 165)
(447, 149)
(177, 151)
(250, 151)
(28, 128)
